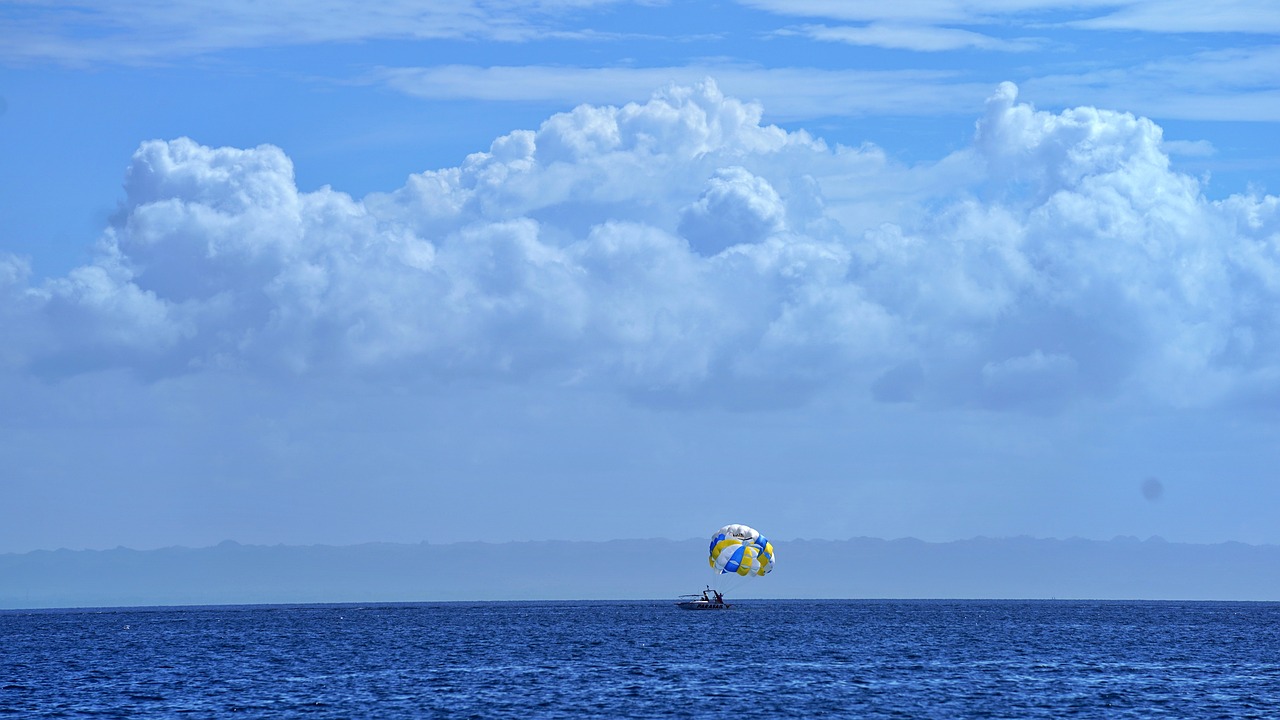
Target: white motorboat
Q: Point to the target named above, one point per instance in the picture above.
(707, 600)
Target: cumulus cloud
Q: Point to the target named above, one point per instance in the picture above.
(680, 249)
(736, 208)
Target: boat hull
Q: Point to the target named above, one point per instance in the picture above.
(701, 605)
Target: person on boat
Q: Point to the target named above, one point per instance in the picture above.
(719, 597)
(704, 594)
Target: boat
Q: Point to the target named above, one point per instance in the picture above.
(702, 605)
(715, 601)
(735, 550)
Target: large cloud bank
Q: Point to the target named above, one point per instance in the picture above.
(680, 250)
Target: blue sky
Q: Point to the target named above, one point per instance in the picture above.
(338, 272)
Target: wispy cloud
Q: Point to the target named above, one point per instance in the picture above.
(1236, 84)
(922, 38)
(1242, 84)
(1243, 16)
(1189, 148)
(788, 93)
(120, 31)
(1188, 16)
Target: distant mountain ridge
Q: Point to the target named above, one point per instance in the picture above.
(1007, 568)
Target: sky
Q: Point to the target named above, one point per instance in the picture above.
(335, 272)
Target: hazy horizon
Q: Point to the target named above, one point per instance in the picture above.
(866, 568)
(231, 542)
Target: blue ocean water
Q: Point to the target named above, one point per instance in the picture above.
(772, 659)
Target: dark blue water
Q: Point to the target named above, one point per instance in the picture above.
(848, 659)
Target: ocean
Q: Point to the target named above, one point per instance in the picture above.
(762, 659)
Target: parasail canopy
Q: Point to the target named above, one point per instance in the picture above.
(741, 550)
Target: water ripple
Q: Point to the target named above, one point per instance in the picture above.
(648, 660)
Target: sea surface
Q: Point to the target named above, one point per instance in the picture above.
(764, 659)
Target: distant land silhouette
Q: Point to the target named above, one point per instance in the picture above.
(1005, 568)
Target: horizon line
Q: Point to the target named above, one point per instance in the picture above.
(230, 543)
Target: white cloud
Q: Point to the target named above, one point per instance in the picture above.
(1188, 148)
(681, 249)
(1190, 16)
(911, 37)
(736, 208)
(1252, 16)
(789, 93)
(1234, 85)
(76, 31)
(1221, 85)
(913, 11)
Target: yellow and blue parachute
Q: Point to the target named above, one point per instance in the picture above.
(741, 550)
